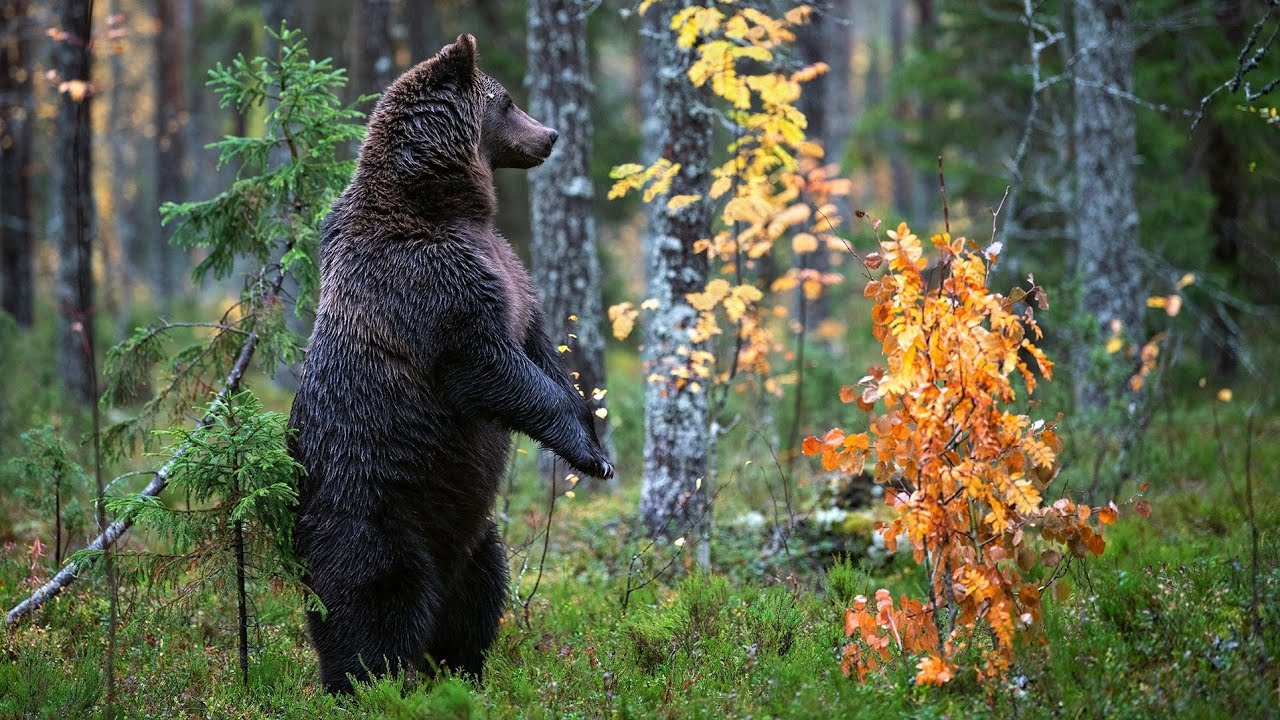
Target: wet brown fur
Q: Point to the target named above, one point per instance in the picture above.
(428, 350)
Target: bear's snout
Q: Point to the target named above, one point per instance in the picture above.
(554, 136)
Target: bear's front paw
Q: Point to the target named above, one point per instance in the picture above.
(602, 469)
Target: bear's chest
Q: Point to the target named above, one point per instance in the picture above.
(516, 287)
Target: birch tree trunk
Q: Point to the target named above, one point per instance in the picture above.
(1106, 214)
(675, 416)
(74, 289)
(16, 107)
(566, 266)
(167, 268)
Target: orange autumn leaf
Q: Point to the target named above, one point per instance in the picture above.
(933, 671)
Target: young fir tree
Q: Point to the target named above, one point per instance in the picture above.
(233, 466)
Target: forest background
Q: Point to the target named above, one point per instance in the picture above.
(1133, 180)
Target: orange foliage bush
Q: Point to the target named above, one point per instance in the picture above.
(964, 473)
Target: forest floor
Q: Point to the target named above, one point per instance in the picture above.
(1160, 626)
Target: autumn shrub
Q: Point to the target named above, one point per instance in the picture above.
(964, 472)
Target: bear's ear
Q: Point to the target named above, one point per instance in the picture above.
(458, 59)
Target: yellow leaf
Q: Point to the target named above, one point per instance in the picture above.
(602, 413)
(1224, 395)
(678, 201)
(75, 89)
(804, 243)
(623, 317)
(1114, 345)
(720, 186)
(678, 542)
(1156, 302)
(1186, 280)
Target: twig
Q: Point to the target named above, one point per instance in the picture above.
(942, 186)
(1250, 56)
(1254, 601)
(546, 541)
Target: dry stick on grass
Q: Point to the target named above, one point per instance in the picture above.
(112, 533)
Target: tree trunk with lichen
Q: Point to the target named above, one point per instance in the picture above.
(566, 266)
(674, 499)
(1106, 221)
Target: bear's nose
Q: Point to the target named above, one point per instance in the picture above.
(554, 136)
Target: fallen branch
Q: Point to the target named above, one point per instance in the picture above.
(70, 571)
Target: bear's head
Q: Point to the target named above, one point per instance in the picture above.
(444, 121)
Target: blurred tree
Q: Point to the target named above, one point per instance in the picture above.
(422, 21)
(375, 64)
(826, 104)
(125, 194)
(74, 291)
(167, 263)
(673, 499)
(566, 267)
(1106, 216)
(16, 111)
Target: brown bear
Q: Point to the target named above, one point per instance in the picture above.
(428, 349)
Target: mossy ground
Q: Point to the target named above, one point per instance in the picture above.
(1160, 626)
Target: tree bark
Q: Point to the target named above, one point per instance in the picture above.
(167, 270)
(16, 245)
(566, 266)
(1106, 214)
(74, 290)
(676, 416)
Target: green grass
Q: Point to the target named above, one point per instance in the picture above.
(1157, 627)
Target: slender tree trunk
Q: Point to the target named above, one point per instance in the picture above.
(166, 271)
(1223, 166)
(76, 357)
(903, 178)
(75, 157)
(566, 266)
(926, 181)
(124, 200)
(825, 103)
(16, 109)
(375, 66)
(674, 499)
(423, 23)
(1106, 214)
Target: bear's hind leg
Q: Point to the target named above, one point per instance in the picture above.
(370, 634)
(472, 608)
(381, 594)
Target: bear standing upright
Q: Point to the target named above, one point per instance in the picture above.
(428, 350)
